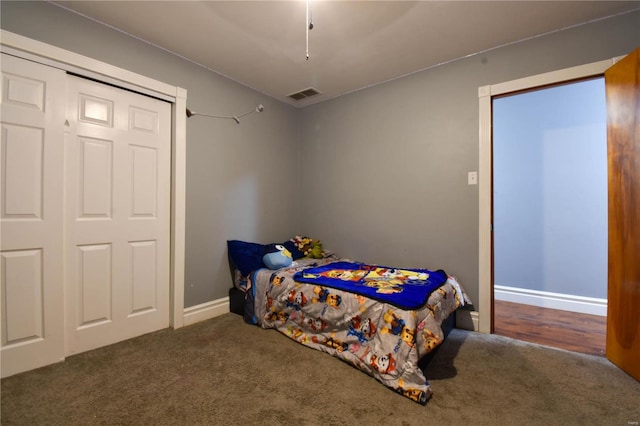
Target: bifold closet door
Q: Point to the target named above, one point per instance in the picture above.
(31, 208)
(117, 162)
(84, 205)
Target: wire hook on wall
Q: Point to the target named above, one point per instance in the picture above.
(236, 118)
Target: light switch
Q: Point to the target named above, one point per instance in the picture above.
(472, 178)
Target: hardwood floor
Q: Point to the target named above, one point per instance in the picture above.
(552, 327)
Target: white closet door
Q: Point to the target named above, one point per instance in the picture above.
(31, 208)
(117, 216)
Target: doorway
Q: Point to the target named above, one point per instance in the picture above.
(550, 214)
(485, 186)
(622, 94)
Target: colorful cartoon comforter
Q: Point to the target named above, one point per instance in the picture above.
(376, 337)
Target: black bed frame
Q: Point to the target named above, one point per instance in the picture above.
(236, 301)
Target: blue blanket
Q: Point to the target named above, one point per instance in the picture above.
(404, 288)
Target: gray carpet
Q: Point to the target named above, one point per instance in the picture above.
(223, 371)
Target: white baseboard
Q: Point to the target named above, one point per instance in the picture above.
(205, 311)
(467, 320)
(545, 299)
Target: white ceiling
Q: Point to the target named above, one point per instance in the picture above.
(354, 44)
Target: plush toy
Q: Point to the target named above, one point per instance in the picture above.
(276, 256)
(308, 247)
(316, 251)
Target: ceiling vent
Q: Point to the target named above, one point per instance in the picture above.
(304, 94)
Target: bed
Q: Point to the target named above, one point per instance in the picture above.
(347, 309)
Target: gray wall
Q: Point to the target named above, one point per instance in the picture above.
(383, 174)
(231, 168)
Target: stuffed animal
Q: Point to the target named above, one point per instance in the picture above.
(308, 247)
(276, 256)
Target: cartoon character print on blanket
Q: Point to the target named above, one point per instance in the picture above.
(380, 339)
(404, 288)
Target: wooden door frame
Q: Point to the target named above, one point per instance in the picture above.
(46, 54)
(485, 167)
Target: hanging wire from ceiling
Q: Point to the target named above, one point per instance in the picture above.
(236, 118)
(308, 26)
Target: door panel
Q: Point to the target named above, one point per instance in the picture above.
(23, 149)
(623, 137)
(31, 208)
(117, 174)
(95, 178)
(23, 289)
(94, 284)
